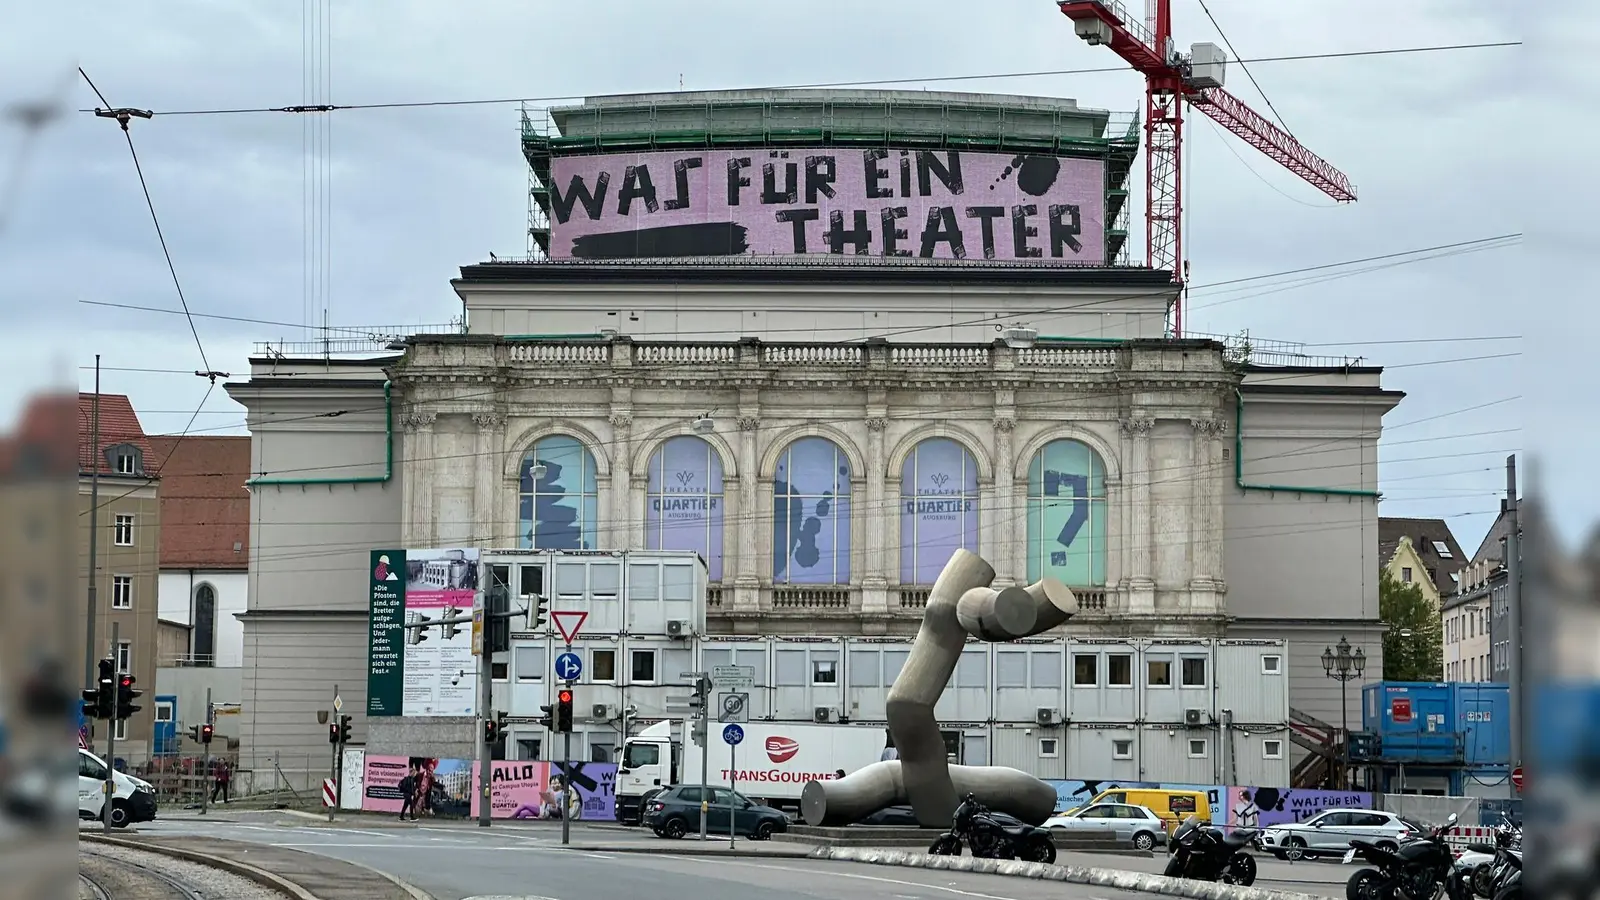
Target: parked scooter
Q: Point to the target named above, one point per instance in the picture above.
(990, 838)
(1205, 852)
(1414, 871)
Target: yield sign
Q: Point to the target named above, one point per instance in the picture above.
(568, 622)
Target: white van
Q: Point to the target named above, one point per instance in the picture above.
(133, 801)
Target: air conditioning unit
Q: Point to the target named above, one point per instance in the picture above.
(679, 628)
(1045, 716)
(823, 714)
(600, 711)
(1194, 716)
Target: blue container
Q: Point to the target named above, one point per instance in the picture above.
(1426, 723)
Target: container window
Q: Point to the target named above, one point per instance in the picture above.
(1085, 670)
(1272, 665)
(1122, 748)
(1194, 671)
(1272, 749)
(1048, 748)
(604, 663)
(1119, 669)
(1198, 748)
(1158, 671)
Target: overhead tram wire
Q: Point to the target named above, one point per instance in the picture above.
(1241, 61)
(878, 82)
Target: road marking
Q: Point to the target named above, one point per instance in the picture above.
(894, 881)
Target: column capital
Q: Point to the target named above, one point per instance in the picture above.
(488, 420)
(1209, 428)
(749, 423)
(877, 424)
(416, 420)
(1138, 426)
(621, 419)
(1004, 424)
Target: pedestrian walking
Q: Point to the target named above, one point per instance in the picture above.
(222, 776)
(408, 794)
(424, 792)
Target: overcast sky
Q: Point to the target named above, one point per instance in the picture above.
(1441, 146)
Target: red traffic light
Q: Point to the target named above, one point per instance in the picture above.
(127, 681)
(565, 696)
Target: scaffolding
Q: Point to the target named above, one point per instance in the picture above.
(899, 119)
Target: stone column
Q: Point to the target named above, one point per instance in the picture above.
(417, 478)
(747, 522)
(1141, 547)
(873, 514)
(1010, 555)
(617, 533)
(488, 528)
(1206, 519)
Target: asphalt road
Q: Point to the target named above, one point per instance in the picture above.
(457, 862)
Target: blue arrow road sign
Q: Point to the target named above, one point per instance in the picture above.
(568, 666)
(732, 735)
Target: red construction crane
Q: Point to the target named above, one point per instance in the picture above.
(1170, 79)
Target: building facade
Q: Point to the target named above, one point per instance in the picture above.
(822, 429)
(127, 555)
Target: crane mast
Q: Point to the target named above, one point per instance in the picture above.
(1171, 80)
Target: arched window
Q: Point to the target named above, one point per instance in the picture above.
(559, 509)
(811, 514)
(1067, 514)
(939, 508)
(684, 508)
(203, 643)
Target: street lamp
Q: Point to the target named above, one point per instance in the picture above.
(1344, 667)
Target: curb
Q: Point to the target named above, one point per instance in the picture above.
(248, 872)
(1111, 878)
(703, 852)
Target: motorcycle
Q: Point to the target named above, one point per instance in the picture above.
(1509, 884)
(1414, 871)
(990, 838)
(1207, 853)
(1482, 865)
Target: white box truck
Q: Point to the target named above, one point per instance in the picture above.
(773, 763)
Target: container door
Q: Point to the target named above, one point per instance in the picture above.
(1430, 710)
(1478, 723)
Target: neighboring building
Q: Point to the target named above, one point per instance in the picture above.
(204, 586)
(1476, 616)
(1423, 552)
(128, 553)
(823, 431)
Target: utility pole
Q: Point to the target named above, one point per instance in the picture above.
(485, 715)
(111, 725)
(1518, 684)
(94, 524)
(338, 747)
(205, 759)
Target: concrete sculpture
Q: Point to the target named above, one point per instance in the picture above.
(960, 604)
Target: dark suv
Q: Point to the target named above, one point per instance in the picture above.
(675, 812)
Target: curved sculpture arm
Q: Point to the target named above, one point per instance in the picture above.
(1016, 612)
(847, 800)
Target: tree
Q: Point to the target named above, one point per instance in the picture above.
(1413, 645)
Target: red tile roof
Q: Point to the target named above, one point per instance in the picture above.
(205, 510)
(119, 424)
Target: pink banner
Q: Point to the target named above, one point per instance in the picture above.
(942, 204)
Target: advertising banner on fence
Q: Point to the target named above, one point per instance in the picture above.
(1258, 807)
(427, 670)
(941, 204)
(445, 788)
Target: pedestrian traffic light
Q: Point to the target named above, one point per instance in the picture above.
(126, 694)
(205, 734)
(548, 719)
(194, 733)
(333, 733)
(491, 731)
(344, 729)
(698, 698)
(497, 619)
(564, 710)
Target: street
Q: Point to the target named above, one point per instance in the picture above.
(459, 861)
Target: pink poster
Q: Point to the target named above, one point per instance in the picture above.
(519, 790)
(933, 204)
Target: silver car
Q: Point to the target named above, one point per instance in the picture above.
(1330, 833)
(1136, 825)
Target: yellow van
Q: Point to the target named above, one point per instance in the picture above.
(1171, 806)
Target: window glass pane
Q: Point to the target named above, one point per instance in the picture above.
(1011, 669)
(1119, 670)
(792, 669)
(558, 511)
(677, 582)
(644, 581)
(644, 665)
(811, 514)
(893, 661)
(605, 665)
(939, 508)
(571, 579)
(1046, 668)
(1067, 514)
(972, 670)
(864, 668)
(1085, 669)
(605, 579)
(755, 659)
(1158, 671)
(1194, 671)
(710, 659)
(529, 663)
(684, 507)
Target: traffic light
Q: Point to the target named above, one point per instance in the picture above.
(491, 731)
(205, 734)
(698, 698)
(548, 720)
(333, 733)
(344, 729)
(564, 710)
(531, 589)
(194, 733)
(126, 694)
(417, 632)
(497, 619)
(104, 696)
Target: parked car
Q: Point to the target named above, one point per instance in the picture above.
(675, 812)
(1330, 833)
(1136, 825)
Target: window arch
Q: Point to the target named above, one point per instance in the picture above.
(811, 514)
(1067, 514)
(683, 509)
(203, 644)
(938, 508)
(560, 510)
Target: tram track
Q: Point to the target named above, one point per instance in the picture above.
(123, 875)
